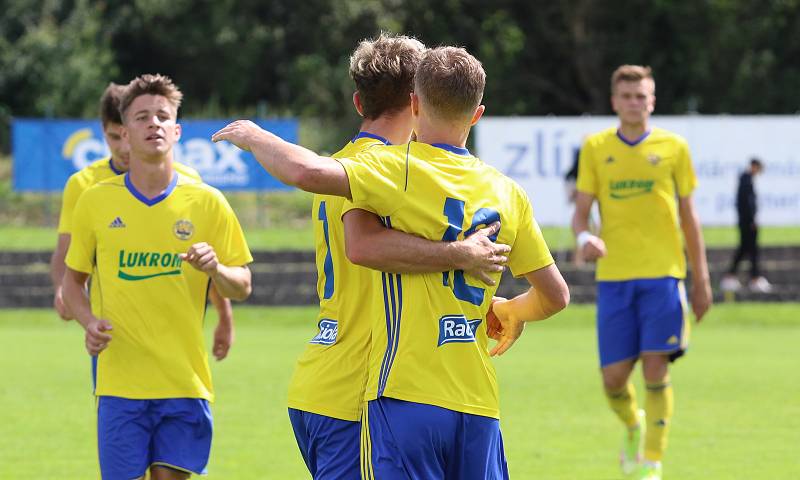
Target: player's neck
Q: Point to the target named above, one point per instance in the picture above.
(118, 166)
(393, 129)
(632, 131)
(431, 132)
(151, 178)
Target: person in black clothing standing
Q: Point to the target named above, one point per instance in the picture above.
(748, 233)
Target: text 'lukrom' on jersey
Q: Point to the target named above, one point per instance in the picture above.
(429, 342)
(154, 301)
(637, 185)
(86, 177)
(332, 371)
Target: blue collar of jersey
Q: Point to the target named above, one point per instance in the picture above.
(370, 135)
(113, 168)
(633, 143)
(151, 201)
(452, 148)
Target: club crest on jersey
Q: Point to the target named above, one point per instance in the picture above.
(653, 159)
(457, 329)
(183, 229)
(328, 331)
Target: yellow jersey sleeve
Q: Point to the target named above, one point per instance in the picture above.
(587, 176)
(72, 191)
(685, 178)
(230, 243)
(81, 254)
(187, 170)
(530, 252)
(379, 181)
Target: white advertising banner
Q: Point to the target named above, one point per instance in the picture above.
(538, 151)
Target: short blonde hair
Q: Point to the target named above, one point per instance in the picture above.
(450, 81)
(150, 85)
(383, 71)
(631, 73)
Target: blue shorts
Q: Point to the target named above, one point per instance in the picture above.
(132, 435)
(414, 441)
(641, 316)
(330, 447)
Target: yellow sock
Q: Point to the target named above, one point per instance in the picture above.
(623, 403)
(659, 405)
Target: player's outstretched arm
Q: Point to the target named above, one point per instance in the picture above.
(547, 296)
(77, 299)
(696, 251)
(591, 246)
(370, 244)
(230, 282)
(289, 163)
(224, 334)
(57, 268)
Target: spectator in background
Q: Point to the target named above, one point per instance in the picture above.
(746, 206)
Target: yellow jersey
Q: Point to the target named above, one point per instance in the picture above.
(331, 374)
(154, 302)
(637, 185)
(84, 178)
(429, 342)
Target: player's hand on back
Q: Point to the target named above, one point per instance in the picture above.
(481, 257)
(96, 337)
(502, 327)
(202, 257)
(242, 133)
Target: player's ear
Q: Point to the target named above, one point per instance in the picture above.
(478, 114)
(357, 103)
(178, 131)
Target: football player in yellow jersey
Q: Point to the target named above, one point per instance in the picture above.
(642, 178)
(117, 164)
(432, 409)
(327, 389)
(155, 240)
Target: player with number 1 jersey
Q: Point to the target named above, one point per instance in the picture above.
(331, 373)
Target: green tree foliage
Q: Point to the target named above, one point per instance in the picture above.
(248, 57)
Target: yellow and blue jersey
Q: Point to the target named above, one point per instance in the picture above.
(331, 373)
(429, 342)
(637, 184)
(154, 302)
(84, 178)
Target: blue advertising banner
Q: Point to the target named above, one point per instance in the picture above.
(46, 152)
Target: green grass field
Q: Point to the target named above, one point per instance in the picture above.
(737, 397)
(300, 237)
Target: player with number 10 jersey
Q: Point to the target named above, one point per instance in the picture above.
(428, 342)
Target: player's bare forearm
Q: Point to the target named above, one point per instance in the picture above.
(696, 251)
(580, 218)
(57, 266)
(76, 297)
(289, 163)
(548, 295)
(370, 244)
(591, 246)
(232, 282)
(222, 305)
(693, 234)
